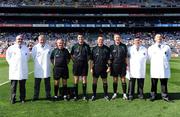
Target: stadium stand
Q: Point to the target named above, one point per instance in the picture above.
(91, 20)
(91, 3)
(171, 38)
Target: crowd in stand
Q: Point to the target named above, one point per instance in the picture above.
(125, 21)
(67, 3)
(171, 38)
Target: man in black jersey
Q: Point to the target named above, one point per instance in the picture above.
(118, 64)
(80, 54)
(60, 58)
(99, 66)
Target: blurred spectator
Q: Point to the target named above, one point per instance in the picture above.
(171, 38)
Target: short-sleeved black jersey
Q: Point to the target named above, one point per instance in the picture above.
(100, 55)
(60, 57)
(80, 52)
(118, 53)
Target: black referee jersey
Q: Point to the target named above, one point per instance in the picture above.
(60, 57)
(118, 53)
(80, 52)
(100, 55)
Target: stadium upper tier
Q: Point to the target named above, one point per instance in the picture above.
(92, 3)
(89, 23)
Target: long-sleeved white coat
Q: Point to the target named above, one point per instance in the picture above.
(18, 62)
(41, 57)
(159, 61)
(137, 61)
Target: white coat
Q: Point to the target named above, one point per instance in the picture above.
(41, 57)
(159, 61)
(137, 61)
(18, 62)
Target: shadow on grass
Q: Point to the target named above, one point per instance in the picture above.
(172, 96)
(175, 96)
(31, 100)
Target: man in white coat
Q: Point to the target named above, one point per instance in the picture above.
(42, 67)
(17, 57)
(137, 68)
(159, 55)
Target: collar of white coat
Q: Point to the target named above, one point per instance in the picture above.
(39, 45)
(134, 46)
(156, 44)
(17, 45)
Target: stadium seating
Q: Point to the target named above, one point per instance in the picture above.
(90, 3)
(171, 38)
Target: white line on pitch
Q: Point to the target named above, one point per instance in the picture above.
(4, 83)
(9, 81)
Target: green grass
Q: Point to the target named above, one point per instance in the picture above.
(100, 107)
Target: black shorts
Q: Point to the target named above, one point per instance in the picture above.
(118, 70)
(80, 68)
(60, 72)
(99, 71)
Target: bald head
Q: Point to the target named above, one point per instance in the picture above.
(158, 38)
(19, 39)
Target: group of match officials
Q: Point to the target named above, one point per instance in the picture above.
(117, 59)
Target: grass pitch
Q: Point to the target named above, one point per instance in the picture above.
(98, 108)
